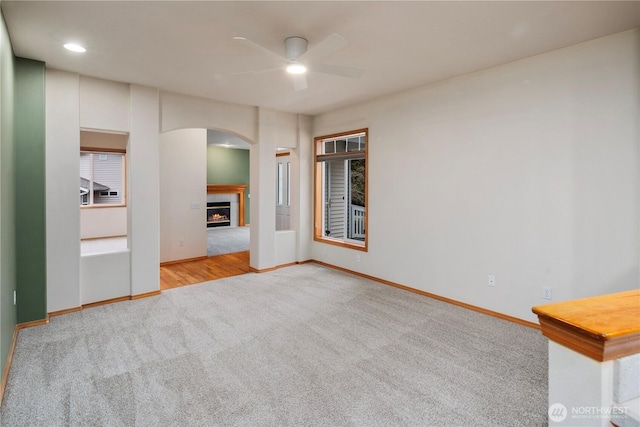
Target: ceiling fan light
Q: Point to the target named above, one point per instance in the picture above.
(73, 47)
(296, 69)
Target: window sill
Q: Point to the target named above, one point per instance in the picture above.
(359, 247)
(102, 206)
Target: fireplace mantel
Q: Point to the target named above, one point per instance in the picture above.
(238, 189)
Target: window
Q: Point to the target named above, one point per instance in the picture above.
(283, 190)
(102, 178)
(288, 183)
(340, 215)
(283, 185)
(280, 186)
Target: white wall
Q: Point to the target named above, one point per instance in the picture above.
(63, 203)
(183, 182)
(143, 200)
(577, 382)
(104, 276)
(302, 189)
(265, 130)
(263, 192)
(103, 222)
(286, 129)
(75, 102)
(527, 171)
(285, 247)
(182, 111)
(104, 105)
(81, 102)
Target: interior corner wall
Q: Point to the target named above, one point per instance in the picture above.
(230, 166)
(183, 171)
(263, 188)
(286, 130)
(63, 211)
(144, 189)
(302, 189)
(31, 256)
(528, 171)
(8, 312)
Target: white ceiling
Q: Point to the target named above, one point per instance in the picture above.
(187, 47)
(227, 140)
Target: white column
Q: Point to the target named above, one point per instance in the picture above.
(63, 198)
(262, 191)
(144, 190)
(302, 211)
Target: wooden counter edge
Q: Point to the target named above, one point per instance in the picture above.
(597, 347)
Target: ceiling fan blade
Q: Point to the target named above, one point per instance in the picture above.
(255, 46)
(325, 47)
(337, 70)
(299, 81)
(264, 71)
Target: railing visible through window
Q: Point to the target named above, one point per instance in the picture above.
(341, 189)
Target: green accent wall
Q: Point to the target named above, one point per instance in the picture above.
(8, 312)
(229, 166)
(29, 133)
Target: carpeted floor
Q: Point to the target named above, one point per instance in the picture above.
(227, 240)
(299, 346)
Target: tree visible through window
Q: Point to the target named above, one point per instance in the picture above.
(101, 178)
(341, 189)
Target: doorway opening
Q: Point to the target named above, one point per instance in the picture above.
(203, 233)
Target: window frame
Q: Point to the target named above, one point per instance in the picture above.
(288, 197)
(280, 184)
(122, 193)
(318, 185)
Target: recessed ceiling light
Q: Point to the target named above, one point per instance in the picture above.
(296, 69)
(74, 47)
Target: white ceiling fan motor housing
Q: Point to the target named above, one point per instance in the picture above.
(294, 47)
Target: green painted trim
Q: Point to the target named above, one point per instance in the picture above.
(30, 192)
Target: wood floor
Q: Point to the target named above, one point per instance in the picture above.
(215, 267)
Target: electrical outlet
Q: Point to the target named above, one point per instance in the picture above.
(358, 258)
(195, 205)
(546, 292)
(492, 280)
(181, 242)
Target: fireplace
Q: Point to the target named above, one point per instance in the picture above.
(230, 190)
(218, 214)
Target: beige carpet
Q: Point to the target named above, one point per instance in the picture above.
(299, 346)
(227, 240)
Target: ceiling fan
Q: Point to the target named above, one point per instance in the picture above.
(297, 59)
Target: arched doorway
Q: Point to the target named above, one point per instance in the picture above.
(193, 161)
